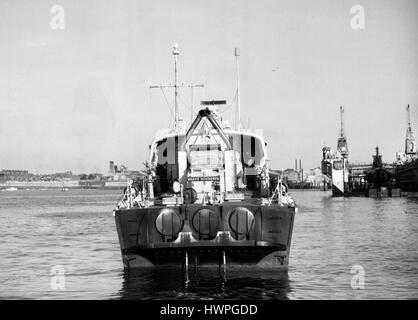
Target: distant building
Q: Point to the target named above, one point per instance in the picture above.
(311, 177)
(315, 177)
(67, 175)
(291, 176)
(114, 169)
(111, 168)
(14, 175)
(121, 173)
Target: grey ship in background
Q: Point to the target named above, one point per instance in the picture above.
(406, 167)
(335, 165)
(378, 179)
(208, 199)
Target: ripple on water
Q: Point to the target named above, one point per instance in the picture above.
(75, 230)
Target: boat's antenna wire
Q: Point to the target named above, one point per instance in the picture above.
(184, 103)
(168, 104)
(149, 97)
(229, 107)
(210, 131)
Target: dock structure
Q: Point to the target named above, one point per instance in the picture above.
(376, 179)
(406, 168)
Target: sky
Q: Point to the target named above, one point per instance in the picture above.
(77, 97)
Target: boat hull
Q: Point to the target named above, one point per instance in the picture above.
(265, 245)
(407, 176)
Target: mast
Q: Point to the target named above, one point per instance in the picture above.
(408, 111)
(238, 118)
(176, 86)
(175, 52)
(191, 104)
(342, 121)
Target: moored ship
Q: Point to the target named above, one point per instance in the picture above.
(335, 165)
(374, 180)
(208, 199)
(406, 167)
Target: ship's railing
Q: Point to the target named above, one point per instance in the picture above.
(139, 197)
(134, 195)
(281, 196)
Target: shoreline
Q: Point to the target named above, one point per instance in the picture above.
(63, 185)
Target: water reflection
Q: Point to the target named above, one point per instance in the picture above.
(204, 284)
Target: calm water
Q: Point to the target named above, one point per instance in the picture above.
(75, 230)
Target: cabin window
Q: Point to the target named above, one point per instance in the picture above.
(338, 165)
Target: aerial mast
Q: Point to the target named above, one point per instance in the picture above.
(408, 111)
(176, 86)
(176, 52)
(238, 117)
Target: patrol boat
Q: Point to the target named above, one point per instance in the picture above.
(207, 199)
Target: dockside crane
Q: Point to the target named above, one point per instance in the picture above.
(410, 143)
(342, 140)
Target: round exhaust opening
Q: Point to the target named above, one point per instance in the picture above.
(168, 223)
(206, 223)
(241, 220)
